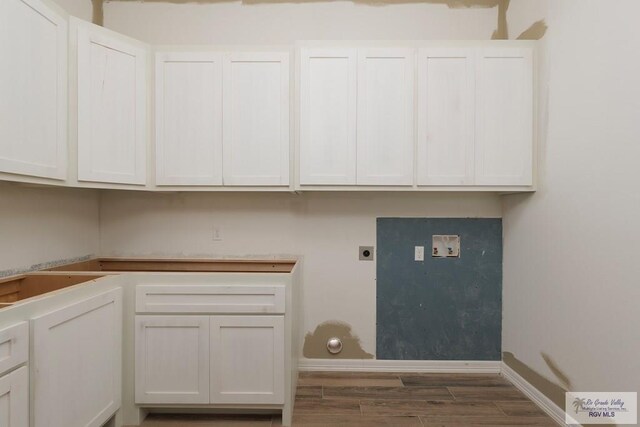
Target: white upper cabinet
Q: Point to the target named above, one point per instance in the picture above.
(328, 116)
(33, 89)
(446, 113)
(255, 124)
(112, 104)
(504, 117)
(385, 116)
(188, 118)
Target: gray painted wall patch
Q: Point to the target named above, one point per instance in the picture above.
(439, 308)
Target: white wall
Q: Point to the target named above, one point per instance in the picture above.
(571, 273)
(82, 9)
(275, 22)
(325, 228)
(41, 225)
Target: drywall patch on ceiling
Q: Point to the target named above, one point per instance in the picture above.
(536, 31)
(502, 31)
(453, 4)
(547, 387)
(44, 265)
(98, 12)
(315, 343)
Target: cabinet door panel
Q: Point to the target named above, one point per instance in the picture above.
(504, 117)
(446, 112)
(33, 89)
(77, 354)
(256, 119)
(385, 116)
(172, 359)
(111, 107)
(14, 346)
(328, 117)
(247, 359)
(189, 118)
(14, 399)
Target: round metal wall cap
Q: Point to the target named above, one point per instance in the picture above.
(334, 345)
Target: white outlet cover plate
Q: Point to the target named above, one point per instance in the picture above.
(419, 253)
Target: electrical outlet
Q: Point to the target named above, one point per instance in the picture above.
(366, 253)
(216, 235)
(419, 253)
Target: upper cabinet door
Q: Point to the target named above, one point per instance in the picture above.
(256, 119)
(328, 116)
(33, 89)
(385, 116)
(446, 113)
(189, 118)
(504, 117)
(112, 104)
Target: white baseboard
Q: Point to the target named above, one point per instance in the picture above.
(374, 365)
(546, 404)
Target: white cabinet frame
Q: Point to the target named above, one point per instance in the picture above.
(89, 35)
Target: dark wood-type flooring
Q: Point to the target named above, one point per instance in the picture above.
(341, 399)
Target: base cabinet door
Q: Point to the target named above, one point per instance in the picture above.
(14, 399)
(172, 359)
(247, 359)
(77, 363)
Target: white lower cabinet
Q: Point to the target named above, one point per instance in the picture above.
(247, 359)
(232, 359)
(77, 362)
(172, 359)
(14, 399)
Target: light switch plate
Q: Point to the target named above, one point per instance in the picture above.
(366, 253)
(445, 246)
(419, 253)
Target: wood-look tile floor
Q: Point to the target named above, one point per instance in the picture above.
(339, 399)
